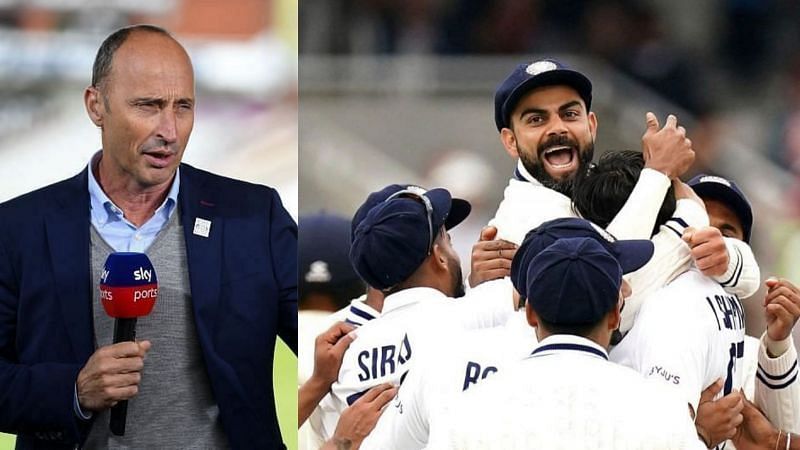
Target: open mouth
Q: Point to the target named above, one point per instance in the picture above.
(560, 157)
(159, 159)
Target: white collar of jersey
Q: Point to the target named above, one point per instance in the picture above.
(410, 296)
(562, 343)
(360, 313)
(523, 172)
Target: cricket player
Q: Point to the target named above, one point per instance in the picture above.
(542, 111)
(402, 248)
(566, 394)
(770, 362)
(709, 344)
(360, 310)
(453, 366)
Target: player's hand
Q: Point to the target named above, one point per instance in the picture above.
(717, 420)
(360, 418)
(708, 250)
(667, 150)
(111, 374)
(755, 433)
(782, 304)
(491, 258)
(684, 191)
(329, 348)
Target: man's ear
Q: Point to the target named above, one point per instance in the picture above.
(530, 314)
(509, 140)
(615, 315)
(438, 258)
(593, 125)
(93, 100)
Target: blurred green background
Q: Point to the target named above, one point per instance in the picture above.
(285, 394)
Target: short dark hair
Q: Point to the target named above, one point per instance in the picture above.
(105, 54)
(582, 330)
(602, 190)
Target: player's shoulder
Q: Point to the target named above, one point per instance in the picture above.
(684, 291)
(693, 279)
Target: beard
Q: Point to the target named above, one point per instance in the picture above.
(457, 280)
(537, 170)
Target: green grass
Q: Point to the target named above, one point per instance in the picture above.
(285, 382)
(6, 441)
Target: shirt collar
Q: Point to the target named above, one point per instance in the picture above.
(105, 211)
(522, 174)
(360, 313)
(410, 296)
(561, 343)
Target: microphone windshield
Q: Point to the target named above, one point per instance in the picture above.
(128, 285)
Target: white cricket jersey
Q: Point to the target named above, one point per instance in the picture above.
(411, 319)
(566, 395)
(442, 373)
(688, 335)
(771, 383)
(527, 204)
(312, 324)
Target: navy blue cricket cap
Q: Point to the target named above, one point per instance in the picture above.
(727, 192)
(396, 236)
(631, 254)
(322, 249)
(574, 281)
(526, 77)
(458, 212)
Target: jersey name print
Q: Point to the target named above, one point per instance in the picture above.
(688, 334)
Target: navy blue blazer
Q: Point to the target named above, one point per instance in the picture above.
(243, 279)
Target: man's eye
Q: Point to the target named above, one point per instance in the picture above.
(535, 119)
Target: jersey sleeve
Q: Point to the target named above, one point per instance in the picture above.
(489, 304)
(777, 392)
(671, 257)
(524, 207)
(636, 218)
(743, 275)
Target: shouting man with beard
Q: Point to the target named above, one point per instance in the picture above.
(543, 113)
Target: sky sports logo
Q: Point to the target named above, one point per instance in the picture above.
(139, 274)
(138, 293)
(143, 274)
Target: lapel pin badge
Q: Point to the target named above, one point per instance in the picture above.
(202, 227)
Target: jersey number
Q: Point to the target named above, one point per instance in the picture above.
(736, 351)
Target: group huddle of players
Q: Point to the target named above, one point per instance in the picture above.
(604, 308)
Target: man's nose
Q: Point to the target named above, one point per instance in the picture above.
(168, 126)
(556, 126)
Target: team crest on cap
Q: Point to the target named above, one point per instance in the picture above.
(318, 272)
(713, 179)
(540, 66)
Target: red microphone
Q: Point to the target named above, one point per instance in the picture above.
(128, 290)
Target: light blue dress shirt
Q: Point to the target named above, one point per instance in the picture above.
(116, 230)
